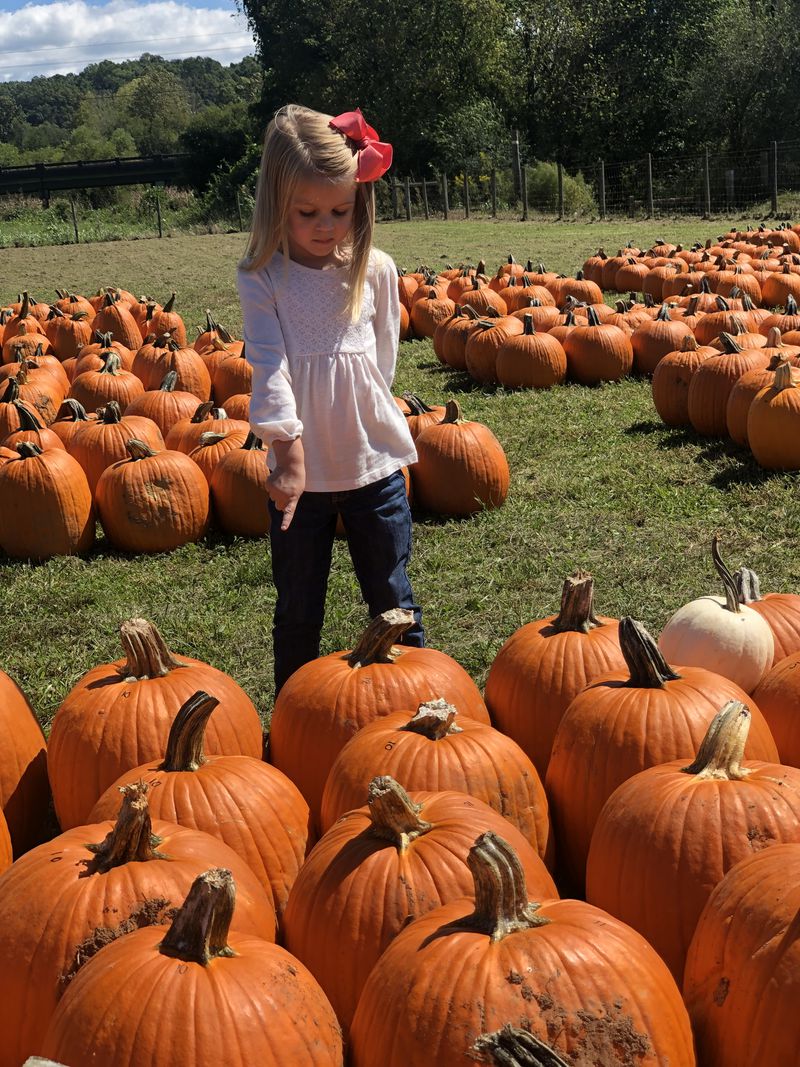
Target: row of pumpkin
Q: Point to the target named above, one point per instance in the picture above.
(654, 788)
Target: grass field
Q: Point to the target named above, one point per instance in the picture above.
(597, 482)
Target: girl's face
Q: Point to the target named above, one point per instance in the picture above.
(320, 217)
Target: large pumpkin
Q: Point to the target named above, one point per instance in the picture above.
(430, 750)
(381, 867)
(650, 863)
(245, 802)
(546, 663)
(323, 703)
(62, 902)
(24, 789)
(562, 969)
(773, 423)
(623, 723)
(598, 352)
(239, 490)
(461, 466)
(119, 715)
(781, 610)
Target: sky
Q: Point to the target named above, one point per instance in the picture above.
(66, 35)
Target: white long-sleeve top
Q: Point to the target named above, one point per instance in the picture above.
(318, 375)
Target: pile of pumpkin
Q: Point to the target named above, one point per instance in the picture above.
(400, 848)
(107, 411)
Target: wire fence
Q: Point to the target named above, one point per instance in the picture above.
(758, 183)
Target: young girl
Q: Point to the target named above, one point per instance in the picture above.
(321, 325)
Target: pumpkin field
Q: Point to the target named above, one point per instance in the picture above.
(620, 506)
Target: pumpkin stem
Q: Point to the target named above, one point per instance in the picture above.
(138, 449)
(747, 585)
(689, 343)
(732, 602)
(418, 406)
(170, 304)
(452, 413)
(199, 932)
(576, 614)
(501, 896)
(28, 449)
(146, 651)
(27, 419)
(511, 1047)
(202, 411)
(649, 669)
(169, 381)
(528, 328)
(131, 840)
(375, 644)
(71, 410)
(252, 441)
(434, 719)
(783, 378)
(722, 749)
(186, 735)
(394, 814)
(210, 437)
(111, 413)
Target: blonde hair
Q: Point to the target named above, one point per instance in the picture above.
(300, 144)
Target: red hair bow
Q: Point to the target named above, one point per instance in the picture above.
(374, 156)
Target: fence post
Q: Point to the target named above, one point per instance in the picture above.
(493, 187)
(74, 219)
(408, 199)
(524, 188)
(517, 163)
(158, 214)
(774, 177)
(445, 201)
(707, 176)
(395, 208)
(239, 209)
(425, 197)
(602, 189)
(649, 186)
(560, 190)
(466, 192)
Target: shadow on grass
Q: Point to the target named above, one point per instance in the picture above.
(672, 436)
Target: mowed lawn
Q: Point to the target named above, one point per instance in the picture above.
(596, 482)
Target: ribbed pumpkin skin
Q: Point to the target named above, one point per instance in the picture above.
(650, 863)
(780, 693)
(207, 456)
(185, 434)
(538, 672)
(357, 891)
(239, 493)
(535, 361)
(598, 354)
(24, 788)
(611, 731)
(461, 469)
(233, 376)
(743, 965)
(93, 388)
(653, 340)
(479, 761)
(483, 344)
(711, 386)
(106, 725)
(782, 612)
(324, 702)
(585, 983)
(773, 428)
(671, 380)
(139, 1007)
(49, 907)
(96, 445)
(741, 397)
(164, 408)
(45, 507)
(6, 850)
(193, 375)
(153, 504)
(120, 323)
(244, 802)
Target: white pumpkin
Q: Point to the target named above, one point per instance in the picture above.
(720, 634)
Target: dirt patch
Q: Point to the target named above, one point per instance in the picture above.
(156, 911)
(759, 838)
(721, 992)
(595, 1040)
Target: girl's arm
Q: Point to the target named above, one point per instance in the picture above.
(273, 412)
(387, 317)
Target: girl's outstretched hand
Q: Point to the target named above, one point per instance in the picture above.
(286, 483)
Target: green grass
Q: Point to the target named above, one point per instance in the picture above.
(597, 482)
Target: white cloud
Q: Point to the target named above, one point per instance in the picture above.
(68, 35)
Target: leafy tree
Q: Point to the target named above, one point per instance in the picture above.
(214, 140)
(156, 110)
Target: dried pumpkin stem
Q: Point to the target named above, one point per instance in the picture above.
(512, 1047)
(185, 751)
(577, 596)
(199, 932)
(417, 405)
(169, 381)
(375, 645)
(732, 601)
(132, 839)
(722, 749)
(394, 815)
(747, 585)
(138, 449)
(434, 719)
(649, 669)
(71, 410)
(146, 651)
(501, 896)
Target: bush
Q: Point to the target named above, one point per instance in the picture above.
(542, 182)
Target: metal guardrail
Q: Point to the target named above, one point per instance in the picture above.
(44, 178)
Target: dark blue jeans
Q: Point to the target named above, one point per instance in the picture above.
(377, 521)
